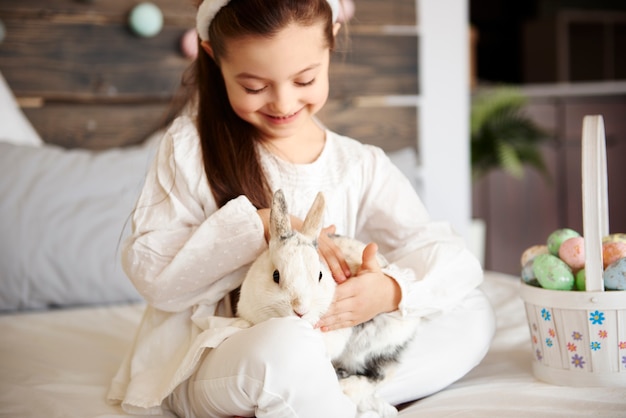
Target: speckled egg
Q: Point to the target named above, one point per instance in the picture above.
(615, 275)
(614, 238)
(556, 238)
(572, 251)
(581, 280)
(528, 276)
(553, 273)
(532, 252)
(612, 251)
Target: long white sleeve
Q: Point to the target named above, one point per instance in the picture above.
(429, 260)
(183, 250)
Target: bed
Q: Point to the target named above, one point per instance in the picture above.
(77, 132)
(59, 363)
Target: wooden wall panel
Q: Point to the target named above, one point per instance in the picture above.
(375, 65)
(109, 62)
(384, 12)
(77, 61)
(178, 12)
(96, 125)
(83, 58)
(107, 66)
(391, 128)
(83, 66)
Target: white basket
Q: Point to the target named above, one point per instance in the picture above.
(579, 338)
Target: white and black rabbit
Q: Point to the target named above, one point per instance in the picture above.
(290, 279)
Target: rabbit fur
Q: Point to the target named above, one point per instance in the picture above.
(290, 279)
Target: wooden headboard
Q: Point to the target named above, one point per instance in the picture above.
(85, 80)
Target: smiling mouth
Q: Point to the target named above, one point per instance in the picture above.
(284, 118)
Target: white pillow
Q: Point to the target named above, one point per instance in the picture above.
(406, 160)
(14, 126)
(63, 214)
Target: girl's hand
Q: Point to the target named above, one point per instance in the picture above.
(362, 297)
(333, 256)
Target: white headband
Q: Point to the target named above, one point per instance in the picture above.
(209, 8)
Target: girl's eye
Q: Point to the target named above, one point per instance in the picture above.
(254, 91)
(308, 83)
(276, 276)
(320, 279)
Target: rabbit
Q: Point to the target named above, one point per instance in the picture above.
(290, 279)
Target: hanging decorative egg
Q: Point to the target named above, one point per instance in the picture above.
(146, 20)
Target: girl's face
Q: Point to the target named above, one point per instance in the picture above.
(277, 84)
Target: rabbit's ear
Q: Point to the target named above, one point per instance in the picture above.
(280, 224)
(313, 222)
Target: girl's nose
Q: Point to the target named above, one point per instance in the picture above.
(282, 103)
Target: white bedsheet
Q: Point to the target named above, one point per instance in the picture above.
(59, 364)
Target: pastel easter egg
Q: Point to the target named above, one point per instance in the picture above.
(612, 251)
(553, 273)
(620, 237)
(528, 276)
(572, 251)
(556, 238)
(532, 252)
(615, 275)
(581, 280)
(527, 273)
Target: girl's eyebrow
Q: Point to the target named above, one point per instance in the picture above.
(249, 76)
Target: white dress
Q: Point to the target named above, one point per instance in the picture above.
(185, 255)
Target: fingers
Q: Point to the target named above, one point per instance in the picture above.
(333, 256)
(336, 264)
(329, 230)
(369, 260)
(340, 315)
(346, 309)
(362, 297)
(335, 323)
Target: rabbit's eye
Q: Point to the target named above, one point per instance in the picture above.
(320, 276)
(276, 276)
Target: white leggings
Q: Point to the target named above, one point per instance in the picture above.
(279, 368)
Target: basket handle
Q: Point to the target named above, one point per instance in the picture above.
(595, 199)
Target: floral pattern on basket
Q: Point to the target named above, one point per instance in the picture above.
(578, 339)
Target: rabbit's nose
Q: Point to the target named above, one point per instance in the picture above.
(300, 312)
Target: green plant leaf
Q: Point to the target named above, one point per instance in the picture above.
(509, 160)
(503, 136)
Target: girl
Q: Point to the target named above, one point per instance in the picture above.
(202, 218)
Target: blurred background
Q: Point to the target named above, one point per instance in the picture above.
(567, 58)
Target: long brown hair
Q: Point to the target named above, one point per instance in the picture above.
(231, 161)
